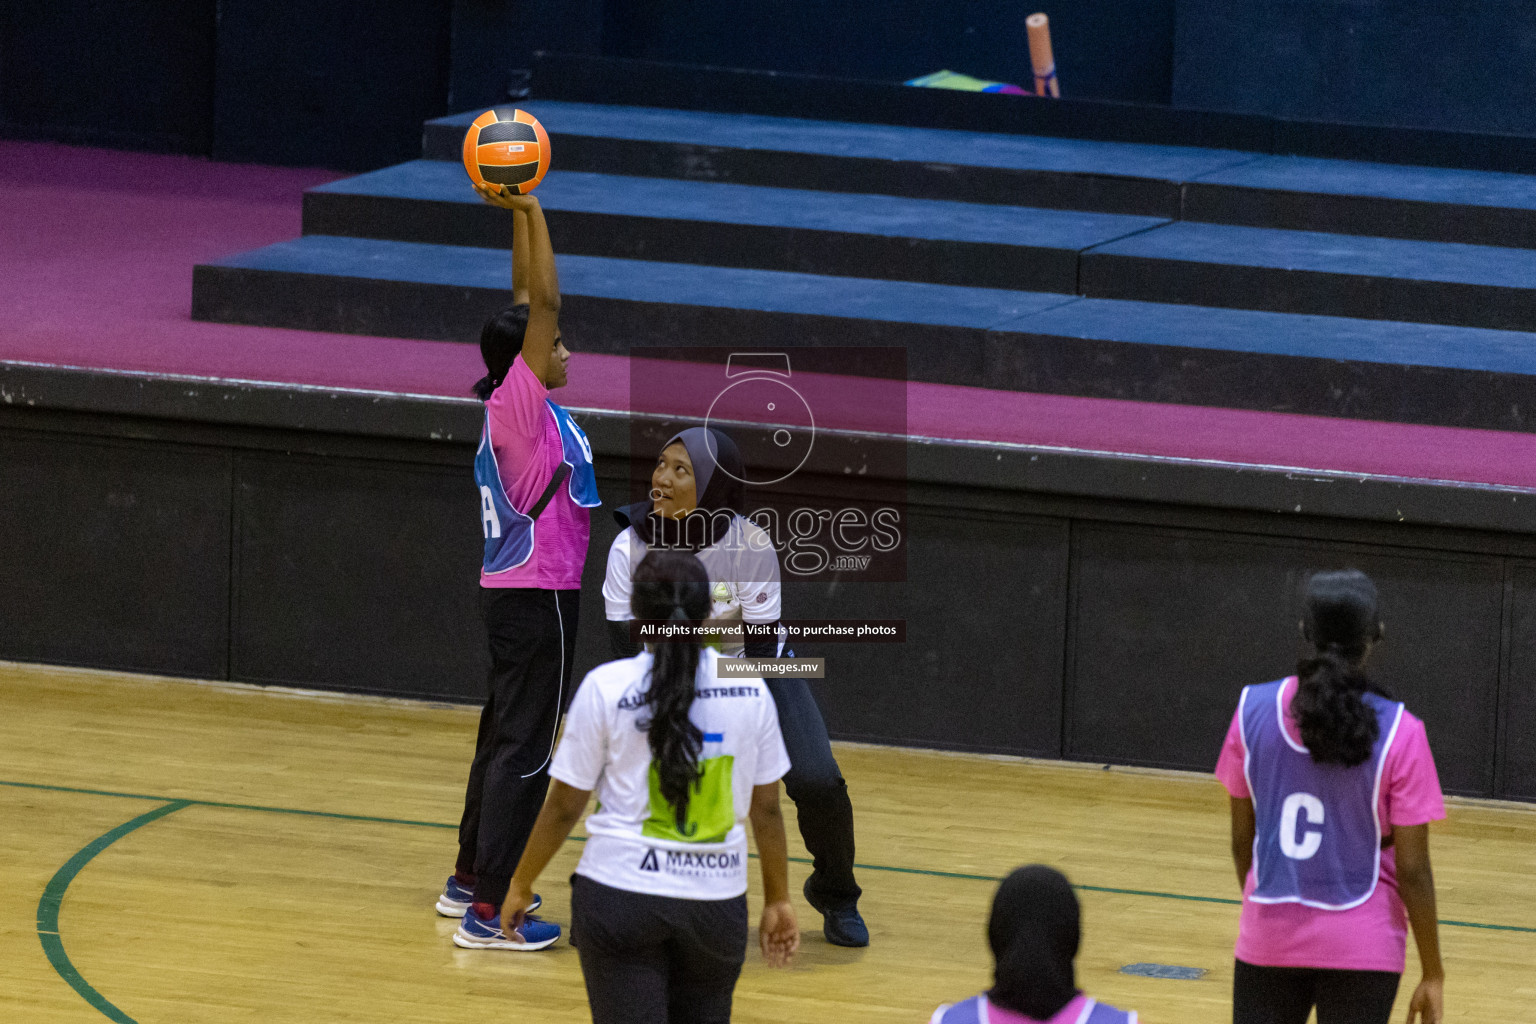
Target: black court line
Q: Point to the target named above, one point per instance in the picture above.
(53, 894)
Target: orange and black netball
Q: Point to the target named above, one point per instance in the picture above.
(507, 147)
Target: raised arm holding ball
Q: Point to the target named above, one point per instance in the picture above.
(536, 482)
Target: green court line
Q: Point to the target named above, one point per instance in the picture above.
(230, 806)
(887, 868)
(1489, 927)
(1167, 895)
(53, 899)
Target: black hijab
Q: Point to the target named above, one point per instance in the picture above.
(1034, 934)
(717, 474)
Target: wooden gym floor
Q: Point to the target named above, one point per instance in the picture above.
(185, 852)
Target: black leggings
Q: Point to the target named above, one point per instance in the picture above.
(532, 636)
(1286, 995)
(657, 960)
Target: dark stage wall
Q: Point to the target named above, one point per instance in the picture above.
(1042, 619)
(339, 84)
(346, 84)
(1105, 49)
(1463, 66)
(136, 75)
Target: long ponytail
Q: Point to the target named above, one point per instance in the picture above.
(672, 587)
(501, 339)
(1343, 621)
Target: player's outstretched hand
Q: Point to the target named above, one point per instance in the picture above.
(500, 195)
(779, 933)
(1428, 1003)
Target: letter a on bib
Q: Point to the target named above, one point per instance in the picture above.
(509, 534)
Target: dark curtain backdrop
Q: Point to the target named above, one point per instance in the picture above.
(1105, 49)
(1466, 65)
(135, 74)
(346, 84)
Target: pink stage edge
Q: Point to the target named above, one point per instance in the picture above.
(96, 271)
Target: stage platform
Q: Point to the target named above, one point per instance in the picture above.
(284, 506)
(1078, 267)
(1224, 186)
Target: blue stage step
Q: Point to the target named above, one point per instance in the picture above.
(1221, 186)
(1318, 272)
(667, 219)
(839, 138)
(967, 244)
(1353, 197)
(645, 281)
(1416, 304)
(1023, 170)
(975, 336)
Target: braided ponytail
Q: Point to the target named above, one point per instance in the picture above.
(672, 586)
(1342, 620)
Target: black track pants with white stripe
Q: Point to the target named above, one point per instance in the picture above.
(532, 637)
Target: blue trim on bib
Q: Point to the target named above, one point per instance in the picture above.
(510, 535)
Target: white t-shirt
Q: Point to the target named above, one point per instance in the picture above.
(634, 842)
(742, 565)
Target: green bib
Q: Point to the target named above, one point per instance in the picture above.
(711, 806)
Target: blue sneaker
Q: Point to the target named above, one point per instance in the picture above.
(473, 933)
(457, 897)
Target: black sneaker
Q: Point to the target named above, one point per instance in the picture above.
(843, 926)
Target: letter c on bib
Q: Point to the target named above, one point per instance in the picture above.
(1312, 838)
